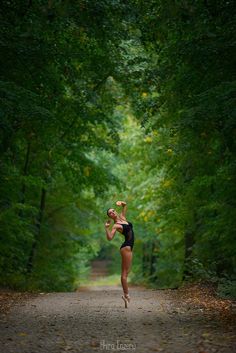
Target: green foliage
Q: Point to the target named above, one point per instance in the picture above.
(227, 288)
(189, 101)
(56, 103)
(108, 100)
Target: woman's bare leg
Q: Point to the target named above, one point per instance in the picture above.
(126, 255)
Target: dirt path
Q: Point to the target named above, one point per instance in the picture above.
(94, 319)
(99, 269)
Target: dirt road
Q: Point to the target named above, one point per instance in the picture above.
(94, 319)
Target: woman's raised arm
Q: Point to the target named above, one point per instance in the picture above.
(124, 208)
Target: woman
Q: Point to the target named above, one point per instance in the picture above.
(126, 228)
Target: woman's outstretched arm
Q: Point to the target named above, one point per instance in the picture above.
(110, 234)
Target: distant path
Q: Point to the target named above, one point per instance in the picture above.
(99, 268)
(94, 319)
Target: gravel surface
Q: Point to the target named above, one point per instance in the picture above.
(95, 319)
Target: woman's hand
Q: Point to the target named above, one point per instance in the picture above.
(120, 203)
(108, 223)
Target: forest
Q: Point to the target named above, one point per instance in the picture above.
(118, 100)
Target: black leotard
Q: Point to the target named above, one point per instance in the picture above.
(129, 235)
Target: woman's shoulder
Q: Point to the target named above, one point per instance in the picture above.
(117, 226)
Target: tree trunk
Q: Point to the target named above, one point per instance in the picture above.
(189, 242)
(144, 259)
(38, 227)
(25, 172)
(152, 257)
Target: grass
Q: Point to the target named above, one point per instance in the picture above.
(111, 280)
